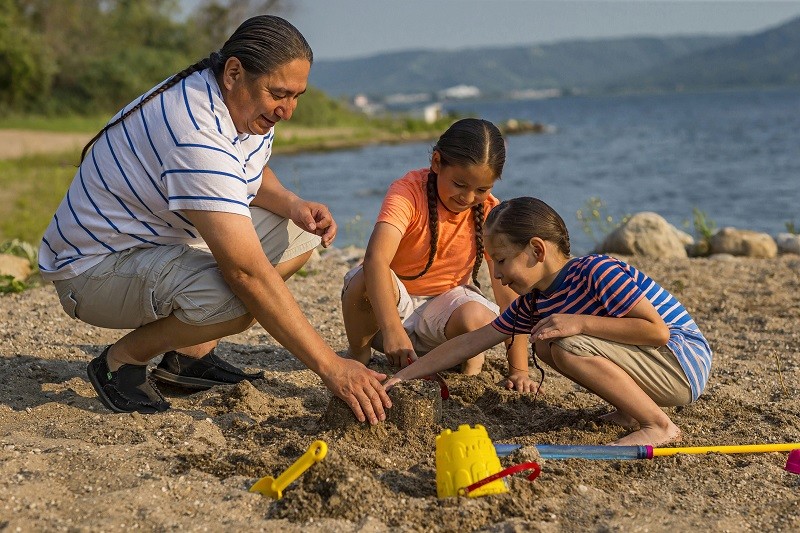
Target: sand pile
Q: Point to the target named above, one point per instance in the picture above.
(67, 463)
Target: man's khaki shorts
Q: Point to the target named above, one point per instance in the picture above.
(425, 317)
(656, 370)
(137, 286)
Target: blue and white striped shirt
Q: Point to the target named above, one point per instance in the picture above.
(604, 286)
(178, 151)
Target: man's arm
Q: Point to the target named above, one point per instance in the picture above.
(237, 250)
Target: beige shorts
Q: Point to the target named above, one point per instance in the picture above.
(425, 317)
(656, 370)
(134, 287)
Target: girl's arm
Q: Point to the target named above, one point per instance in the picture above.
(518, 377)
(642, 325)
(381, 249)
(447, 355)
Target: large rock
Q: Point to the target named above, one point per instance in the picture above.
(742, 242)
(646, 234)
(788, 243)
(11, 265)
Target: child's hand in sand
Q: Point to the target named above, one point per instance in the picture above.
(521, 382)
(391, 382)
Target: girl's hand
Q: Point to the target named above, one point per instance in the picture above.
(399, 350)
(557, 326)
(521, 382)
(391, 382)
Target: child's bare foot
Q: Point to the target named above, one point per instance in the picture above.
(363, 358)
(621, 419)
(652, 436)
(472, 367)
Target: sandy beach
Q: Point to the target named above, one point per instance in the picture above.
(69, 464)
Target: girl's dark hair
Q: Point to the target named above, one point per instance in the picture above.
(467, 142)
(521, 219)
(262, 44)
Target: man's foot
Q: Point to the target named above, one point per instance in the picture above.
(620, 419)
(651, 436)
(200, 374)
(126, 390)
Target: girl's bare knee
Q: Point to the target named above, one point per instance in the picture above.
(468, 317)
(355, 293)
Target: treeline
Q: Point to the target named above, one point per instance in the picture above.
(91, 57)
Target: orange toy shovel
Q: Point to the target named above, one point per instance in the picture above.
(274, 487)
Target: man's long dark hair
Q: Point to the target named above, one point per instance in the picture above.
(262, 44)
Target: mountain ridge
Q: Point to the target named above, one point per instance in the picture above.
(640, 63)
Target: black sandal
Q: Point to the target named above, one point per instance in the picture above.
(126, 390)
(200, 374)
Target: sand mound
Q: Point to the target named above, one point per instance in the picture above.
(67, 463)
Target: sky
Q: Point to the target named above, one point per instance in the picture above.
(338, 29)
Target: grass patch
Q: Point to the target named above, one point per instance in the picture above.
(30, 190)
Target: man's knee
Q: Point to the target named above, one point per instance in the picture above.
(243, 323)
(290, 267)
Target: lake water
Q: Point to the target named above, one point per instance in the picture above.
(733, 155)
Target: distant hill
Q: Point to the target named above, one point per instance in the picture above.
(769, 58)
(586, 64)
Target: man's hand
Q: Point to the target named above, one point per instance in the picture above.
(360, 388)
(315, 218)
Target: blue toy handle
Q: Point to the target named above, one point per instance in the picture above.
(504, 450)
(556, 451)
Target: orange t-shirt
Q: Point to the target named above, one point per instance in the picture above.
(406, 208)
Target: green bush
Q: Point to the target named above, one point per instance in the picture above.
(595, 220)
(315, 108)
(26, 69)
(704, 229)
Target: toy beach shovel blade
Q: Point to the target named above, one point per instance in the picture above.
(274, 487)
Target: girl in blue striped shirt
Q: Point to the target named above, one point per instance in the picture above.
(595, 319)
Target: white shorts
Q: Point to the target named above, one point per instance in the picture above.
(134, 287)
(425, 317)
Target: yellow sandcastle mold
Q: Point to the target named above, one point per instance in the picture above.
(464, 457)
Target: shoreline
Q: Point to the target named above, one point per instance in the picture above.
(20, 143)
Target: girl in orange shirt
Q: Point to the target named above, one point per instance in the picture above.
(413, 290)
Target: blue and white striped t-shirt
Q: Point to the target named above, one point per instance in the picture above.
(178, 151)
(604, 286)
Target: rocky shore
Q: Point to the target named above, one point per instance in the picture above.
(68, 464)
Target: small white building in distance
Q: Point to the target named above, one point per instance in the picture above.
(460, 92)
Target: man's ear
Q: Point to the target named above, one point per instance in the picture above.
(232, 72)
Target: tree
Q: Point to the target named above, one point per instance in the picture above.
(216, 20)
(26, 70)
